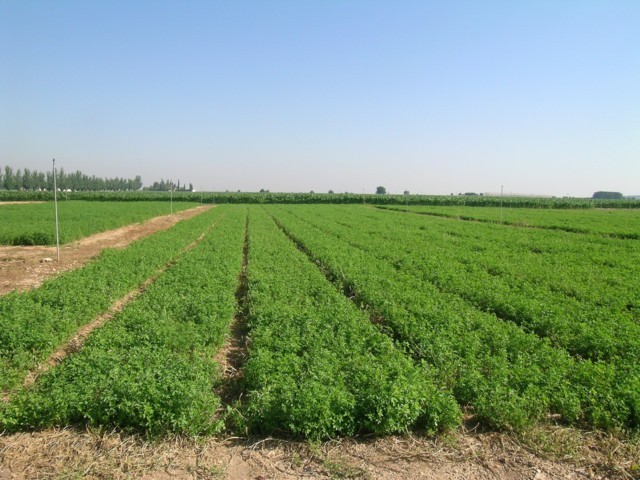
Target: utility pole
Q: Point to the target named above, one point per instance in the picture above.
(55, 203)
(501, 190)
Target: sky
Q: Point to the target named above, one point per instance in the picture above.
(435, 97)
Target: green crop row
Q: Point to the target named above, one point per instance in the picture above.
(509, 377)
(151, 368)
(538, 280)
(34, 224)
(33, 324)
(623, 223)
(317, 366)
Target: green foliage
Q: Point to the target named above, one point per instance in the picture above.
(608, 195)
(33, 224)
(34, 180)
(33, 324)
(622, 222)
(150, 369)
(317, 366)
(439, 285)
(360, 320)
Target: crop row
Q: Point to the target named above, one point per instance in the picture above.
(546, 286)
(317, 366)
(34, 224)
(150, 368)
(33, 324)
(556, 288)
(623, 223)
(508, 376)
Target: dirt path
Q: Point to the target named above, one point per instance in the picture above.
(23, 268)
(462, 455)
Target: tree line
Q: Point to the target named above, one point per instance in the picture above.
(34, 180)
(165, 186)
(608, 195)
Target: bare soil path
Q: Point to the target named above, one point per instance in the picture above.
(24, 268)
(464, 454)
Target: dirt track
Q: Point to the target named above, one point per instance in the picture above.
(463, 455)
(23, 268)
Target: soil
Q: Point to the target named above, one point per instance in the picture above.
(465, 454)
(24, 268)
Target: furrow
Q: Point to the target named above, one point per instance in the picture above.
(233, 355)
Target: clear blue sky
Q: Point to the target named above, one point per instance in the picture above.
(431, 96)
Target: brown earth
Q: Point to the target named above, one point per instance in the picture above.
(562, 453)
(23, 268)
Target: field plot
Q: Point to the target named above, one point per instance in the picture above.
(151, 368)
(26, 267)
(33, 324)
(620, 222)
(358, 320)
(317, 365)
(520, 324)
(33, 224)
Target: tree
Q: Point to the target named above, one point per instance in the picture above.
(381, 191)
(18, 180)
(608, 195)
(406, 192)
(9, 178)
(331, 191)
(27, 179)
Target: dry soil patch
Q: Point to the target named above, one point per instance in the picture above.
(463, 455)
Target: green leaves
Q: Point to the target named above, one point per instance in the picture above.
(426, 278)
(359, 320)
(318, 367)
(151, 368)
(34, 224)
(35, 323)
